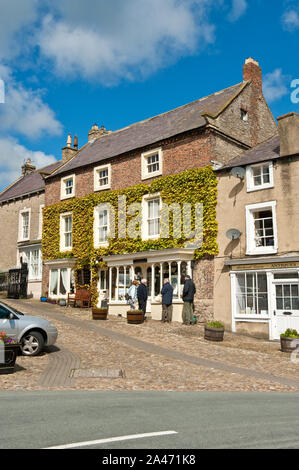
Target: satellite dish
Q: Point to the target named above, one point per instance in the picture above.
(233, 234)
(238, 172)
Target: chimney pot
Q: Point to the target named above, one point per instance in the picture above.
(96, 133)
(28, 167)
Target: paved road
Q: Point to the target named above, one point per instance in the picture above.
(201, 420)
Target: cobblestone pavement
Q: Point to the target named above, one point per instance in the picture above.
(145, 367)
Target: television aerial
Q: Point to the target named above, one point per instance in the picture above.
(233, 234)
(238, 172)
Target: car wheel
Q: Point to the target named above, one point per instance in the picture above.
(32, 343)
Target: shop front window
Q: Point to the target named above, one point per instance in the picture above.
(251, 294)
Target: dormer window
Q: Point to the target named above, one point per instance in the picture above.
(67, 187)
(259, 176)
(244, 115)
(151, 164)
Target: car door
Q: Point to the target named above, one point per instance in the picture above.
(8, 325)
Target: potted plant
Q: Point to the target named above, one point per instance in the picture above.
(135, 317)
(214, 331)
(287, 342)
(43, 297)
(99, 313)
(9, 349)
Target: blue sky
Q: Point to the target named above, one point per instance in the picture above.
(69, 63)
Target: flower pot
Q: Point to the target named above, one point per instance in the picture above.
(135, 317)
(62, 302)
(51, 301)
(10, 355)
(288, 344)
(43, 299)
(99, 313)
(214, 334)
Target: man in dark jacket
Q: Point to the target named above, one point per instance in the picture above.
(188, 299)
(167, 294)
(142, 296)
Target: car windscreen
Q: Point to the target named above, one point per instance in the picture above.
(13, 309)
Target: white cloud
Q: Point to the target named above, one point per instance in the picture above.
(274, 85)
(12, 157)
(238, 9)
(16, 17)
(290, 20)
(24, 111)
(108, 41)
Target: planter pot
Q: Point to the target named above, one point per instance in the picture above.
(286, 342)
(99, 313)
(10, 354)
(214, 334)
(62, 303)
(51, 301)
(43, 299)
(135, 317)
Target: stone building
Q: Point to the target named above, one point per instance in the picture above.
(21, 206)
(209, 131)
(258, 196)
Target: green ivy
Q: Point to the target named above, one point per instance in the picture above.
(191, 186)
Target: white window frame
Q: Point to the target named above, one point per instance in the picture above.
(250, 179)
(68, 282)
(96, 173)
(144, 229)
(144, 164)
(63, 194)
(40, 221)
(251, 249)
(27, 255)
(62, 231)
(96, 225)
(21, 225)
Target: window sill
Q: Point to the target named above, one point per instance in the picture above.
(62, 198)
(152, 175)
(102, 188)
(261, 252)
(250, 190)
(252, 317)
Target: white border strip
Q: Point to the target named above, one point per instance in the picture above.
(112, 439)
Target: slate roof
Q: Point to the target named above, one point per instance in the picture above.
(268, 150)
(150, 131)
(30, 183)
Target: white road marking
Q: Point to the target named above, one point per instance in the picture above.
(113, 439)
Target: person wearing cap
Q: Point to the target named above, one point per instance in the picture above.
(142, 296)
(188, 299)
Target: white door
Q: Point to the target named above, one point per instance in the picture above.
(286, 308)
(103, 287)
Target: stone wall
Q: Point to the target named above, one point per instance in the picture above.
(203, 277)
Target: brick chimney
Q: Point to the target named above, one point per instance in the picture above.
(96, 133)
(288, 128)
(68, 152)
(28, 167)
(253, 72)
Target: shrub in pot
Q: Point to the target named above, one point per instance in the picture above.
(9, 349)
(214, 331)
(288, 341)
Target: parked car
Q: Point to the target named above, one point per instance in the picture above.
(32, 332)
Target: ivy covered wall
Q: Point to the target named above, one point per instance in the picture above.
(191, 186)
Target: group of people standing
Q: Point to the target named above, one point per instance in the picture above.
(138, 292)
